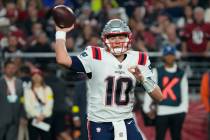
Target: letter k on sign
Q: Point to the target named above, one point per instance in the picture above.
(168, 85)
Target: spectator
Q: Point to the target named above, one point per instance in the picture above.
(80, 109)
(103, 15)
(10, 102)
(174, 85)
(52, 3)
(194, 3)
(118, 13)
(86, 14)
(130, 5)
(171, 38)
(2, 9)
(23, 4)
(41, 45)
(60, 107)
(15, 24)
(175, 7)
(140, 35)
(146, 38)
(83, 39)
(11, 12)
(37, 28)
(33, 17)
(150, 15)
(196, 35)
(205, 96)
(159, 27)
(138, 15)
(187, 18)
(25, 76)
(38, 106)
(13, 45)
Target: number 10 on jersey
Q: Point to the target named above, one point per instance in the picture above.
(118, 90)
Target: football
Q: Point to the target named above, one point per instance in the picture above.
(63, 16)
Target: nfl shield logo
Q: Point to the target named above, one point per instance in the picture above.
(120, 66)
(98, 129)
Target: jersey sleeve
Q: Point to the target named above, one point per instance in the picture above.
(148, 70)
(86, 57)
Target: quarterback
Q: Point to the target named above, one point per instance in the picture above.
(113, 72)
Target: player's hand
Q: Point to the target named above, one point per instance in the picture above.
(77, 123)
(40, 118)
(151, 114)
(64, 29)
(137, 73)
(23, 121)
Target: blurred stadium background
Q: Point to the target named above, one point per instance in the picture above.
(27, 37)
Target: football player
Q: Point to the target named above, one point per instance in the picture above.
(113, 72)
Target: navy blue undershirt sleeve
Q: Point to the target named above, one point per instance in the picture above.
(77, 65)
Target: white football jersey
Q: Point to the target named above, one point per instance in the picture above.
(111, 87)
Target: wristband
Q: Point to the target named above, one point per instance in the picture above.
(148, 84)
(60, 35)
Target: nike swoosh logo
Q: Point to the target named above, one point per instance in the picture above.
(130, 122)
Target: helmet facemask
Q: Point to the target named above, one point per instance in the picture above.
(117, 28)
(118, 47)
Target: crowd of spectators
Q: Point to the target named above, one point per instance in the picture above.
(27, 26)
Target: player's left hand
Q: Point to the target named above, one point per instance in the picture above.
(137, 73)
